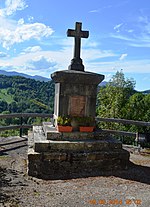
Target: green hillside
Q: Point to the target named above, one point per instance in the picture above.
(5, 96)
(19, 94)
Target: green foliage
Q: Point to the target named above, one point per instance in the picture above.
(81, 121)
(119, 100)
(8, 133)
(64, 120)
(19, 94)
(3, 106)
(5, 96)
(84, 121)
(113, 97)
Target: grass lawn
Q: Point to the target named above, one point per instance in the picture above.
(5, 97)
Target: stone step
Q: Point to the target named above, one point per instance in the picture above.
(51, 133)
(79, 156)
(53, 159)
(59, 165)
(41, 144)
(75, 146)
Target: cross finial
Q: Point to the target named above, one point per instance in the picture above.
(76, 62)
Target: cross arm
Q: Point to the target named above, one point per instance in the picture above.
(85, 34)
(73, 33)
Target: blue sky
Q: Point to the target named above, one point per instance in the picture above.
(33, 37)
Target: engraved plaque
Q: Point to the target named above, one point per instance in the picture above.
(77, 105)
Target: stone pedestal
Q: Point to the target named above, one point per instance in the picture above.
(75, 93)
(55, 155)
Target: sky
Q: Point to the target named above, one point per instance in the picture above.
(33, 37)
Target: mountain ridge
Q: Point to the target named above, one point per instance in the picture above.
(14, 73)
(35, 77)
(41, 78)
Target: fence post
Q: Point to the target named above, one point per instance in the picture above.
(21, 129)
(137, 139)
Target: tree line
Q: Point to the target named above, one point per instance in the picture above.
(28, 95)
(120, 100)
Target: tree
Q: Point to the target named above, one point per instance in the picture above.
(3, 106)
(112, 99)
(13, 107)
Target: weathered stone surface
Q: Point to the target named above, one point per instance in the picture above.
(67, 165)
(51, 132)
(32, 155)
(72, 84)
(51, 159)
(77, 146)
(54, 156)
(77, 77)
(38, 134)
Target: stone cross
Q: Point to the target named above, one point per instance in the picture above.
(76, 63)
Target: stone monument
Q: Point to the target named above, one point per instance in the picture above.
(75, 89)
(56, 155)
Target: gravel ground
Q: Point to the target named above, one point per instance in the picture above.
(128, 188)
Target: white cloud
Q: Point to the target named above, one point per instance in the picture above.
(30, 18)
(11, 6)
(143, 19)
(34, 60)
(21, 21)
(123, 56)
(23, 32)
(141, 40)
(138, 44)
(41, 63)
(100, 9)
(13, 31)
(138, 33)
(38, 62)
(132, 66)
(30, 64)
(7, 24)
(3, 54)
(121, 37)
(32, 49)
(45, 62)
(108, 77)
(144, 24)
(117, 27)
(93, 54)
(130, 30)
(94, 11)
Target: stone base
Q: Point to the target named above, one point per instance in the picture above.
(53, 159)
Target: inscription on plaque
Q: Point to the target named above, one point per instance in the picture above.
(77, 105)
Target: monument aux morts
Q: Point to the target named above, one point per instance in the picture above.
(60, 155)
(75, 89)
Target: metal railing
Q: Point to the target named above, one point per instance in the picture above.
(99, 119)
(21, 116)
(123, 121)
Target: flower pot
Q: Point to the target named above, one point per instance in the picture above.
(64, 128)
(86, 128)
